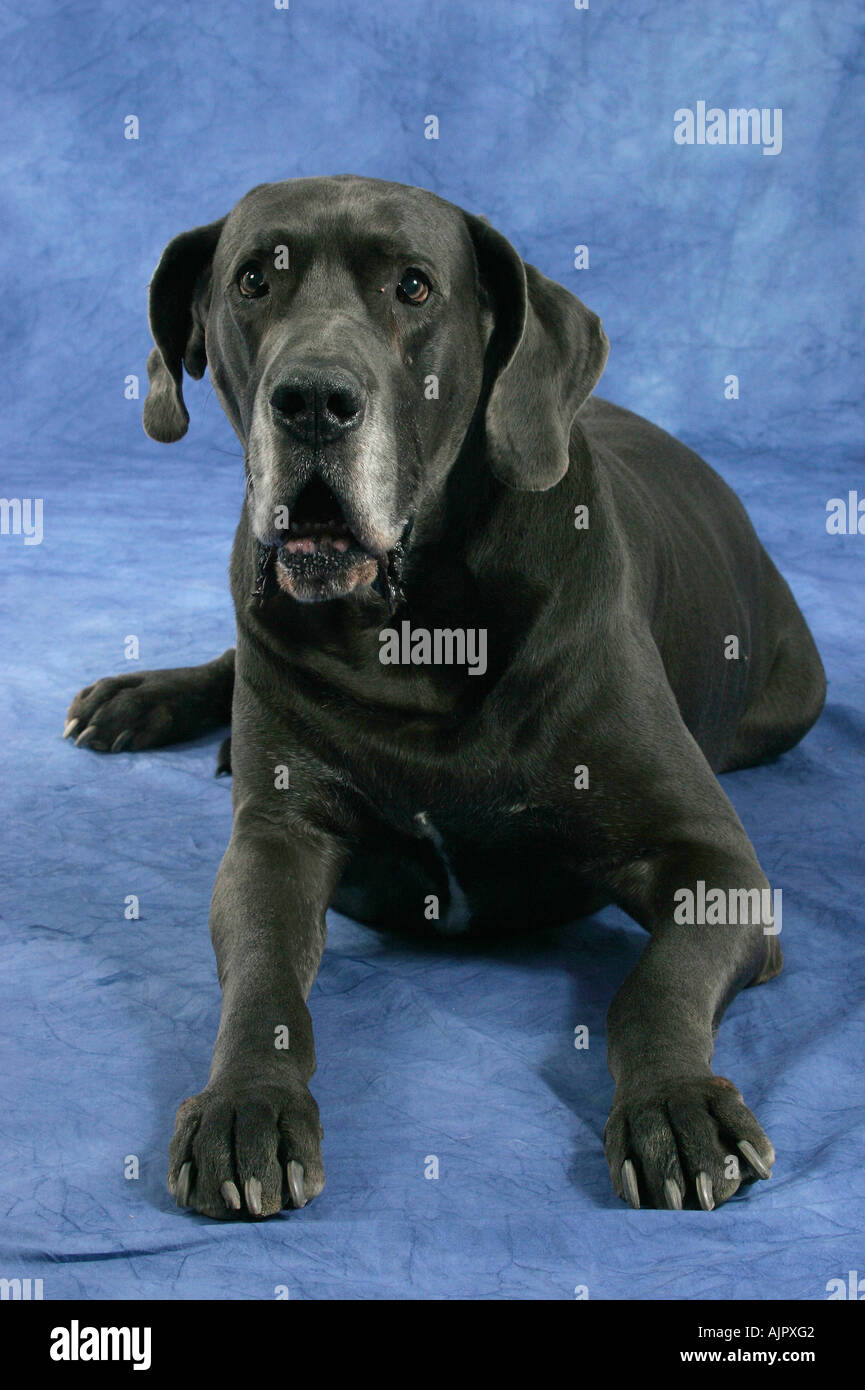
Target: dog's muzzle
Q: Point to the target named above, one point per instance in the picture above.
(318, 556)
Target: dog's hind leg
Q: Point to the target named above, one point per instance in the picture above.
(794, 691)
(148, 709)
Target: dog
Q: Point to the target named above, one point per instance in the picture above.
(425, 460)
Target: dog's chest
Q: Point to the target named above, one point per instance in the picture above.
(457, 917)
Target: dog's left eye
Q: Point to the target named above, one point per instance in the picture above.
(413, 288)
(251, 281)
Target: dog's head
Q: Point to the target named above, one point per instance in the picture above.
(353, 328)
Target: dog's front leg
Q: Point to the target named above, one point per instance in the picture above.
(251, 1140)
(677, 1134)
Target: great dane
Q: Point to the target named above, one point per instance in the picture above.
(429, 476)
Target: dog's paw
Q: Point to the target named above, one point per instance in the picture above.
(246, 1149)
(683, 1142)
(144, 709)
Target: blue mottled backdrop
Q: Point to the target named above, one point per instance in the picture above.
(706, 262)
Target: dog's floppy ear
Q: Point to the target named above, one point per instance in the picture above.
(177, 324)
(545, 356)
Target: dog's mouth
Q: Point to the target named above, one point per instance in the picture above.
(320, 557)
(317, 524)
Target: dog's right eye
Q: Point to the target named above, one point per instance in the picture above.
(251, 281)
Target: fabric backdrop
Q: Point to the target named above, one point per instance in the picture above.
(706, 261)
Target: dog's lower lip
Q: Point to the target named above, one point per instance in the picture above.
(318, 566)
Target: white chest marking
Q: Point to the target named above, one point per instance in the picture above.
(456, 919)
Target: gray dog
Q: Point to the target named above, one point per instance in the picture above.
(428, 476)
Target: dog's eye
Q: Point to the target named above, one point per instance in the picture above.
(251, 281)
(413, 288)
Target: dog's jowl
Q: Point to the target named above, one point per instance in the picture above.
(419, 431)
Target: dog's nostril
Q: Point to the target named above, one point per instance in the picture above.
(318, 406)
(292, 403)
(341, 405)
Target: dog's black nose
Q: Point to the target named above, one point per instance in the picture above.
(318, 405)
